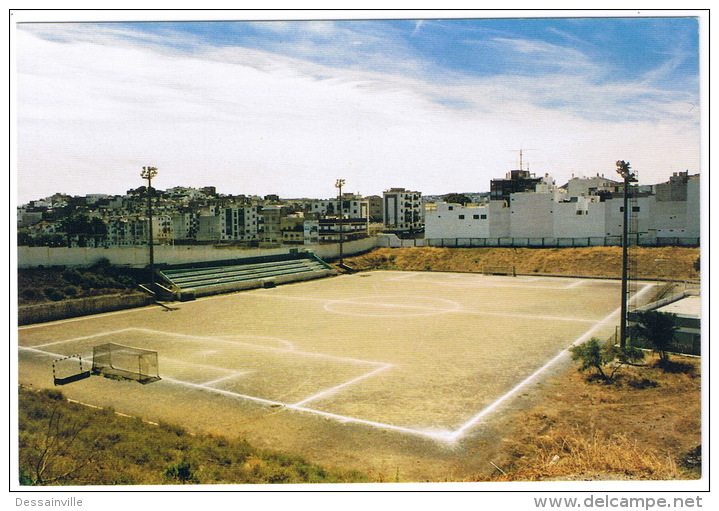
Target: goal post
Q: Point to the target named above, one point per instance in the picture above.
(69, 369)
(116, 360)
(499, 270)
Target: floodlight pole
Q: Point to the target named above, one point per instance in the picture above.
(624, 170)
(148, 173)
(339, 184)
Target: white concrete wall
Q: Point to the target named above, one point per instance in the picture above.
(693, 224)
(447, 222)
(569, 224)
(138, 256)
(531, 215)
(539, 215)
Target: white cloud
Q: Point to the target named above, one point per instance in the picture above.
(91, 114)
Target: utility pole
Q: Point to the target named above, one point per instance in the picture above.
(623, 170)
(148, 173)
(339, 184)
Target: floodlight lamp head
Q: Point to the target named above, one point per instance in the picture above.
(148, 172)
(623, 170)
(340, 183)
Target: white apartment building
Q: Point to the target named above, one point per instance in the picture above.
(234, 223)
(552, 214)
(353, 206)
(238, 223)
(403, 210)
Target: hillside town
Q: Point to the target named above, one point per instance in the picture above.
(519, 206)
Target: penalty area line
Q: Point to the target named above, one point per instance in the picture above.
(457, 434)
(440, 436)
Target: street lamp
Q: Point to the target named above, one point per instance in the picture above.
(148, 173)
(338, 185)
(624, 170)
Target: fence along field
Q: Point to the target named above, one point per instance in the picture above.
(428, 355)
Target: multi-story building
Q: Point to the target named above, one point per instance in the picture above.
(516, 181)
(403, 211)
(127, 230)
(549, 212)
(238, 223)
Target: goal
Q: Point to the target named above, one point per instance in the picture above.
(69, 369)
(499, 270)
(116, 360)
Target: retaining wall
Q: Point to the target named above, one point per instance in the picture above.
(28, 314)
(138, 257)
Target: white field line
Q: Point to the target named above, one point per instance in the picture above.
(235, 374)
(337, 388)
(207, 366)
(445, 436)
(428, 309)
(372, 302)
(261, 347)
(296, 407)
(220, 391)
(404, 276)
(289, 346)
(41, 352)
(529, 316)
(83, 338)
(458, 433)
(477, 282)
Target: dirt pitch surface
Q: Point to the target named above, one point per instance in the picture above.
(407, 376)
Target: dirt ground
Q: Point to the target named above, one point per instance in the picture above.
(373, 323)
(644, 426)
(648, 262)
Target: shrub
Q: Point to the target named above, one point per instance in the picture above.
(54, 294)
(70, 290)
(31, 294)
(657, 328)
(592, 354)
(181, 472)
(72, 276)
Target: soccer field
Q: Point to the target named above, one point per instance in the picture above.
(422, 354)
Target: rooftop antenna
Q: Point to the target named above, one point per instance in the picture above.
(521, 167)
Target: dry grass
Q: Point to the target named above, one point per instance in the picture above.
(586, 430)
(651, 262)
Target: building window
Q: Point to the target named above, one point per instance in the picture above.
(476, 217)
(483, 217)
(450, 208)
(461, 217)
(635, 209)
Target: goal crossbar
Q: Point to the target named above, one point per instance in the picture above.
(499, 270)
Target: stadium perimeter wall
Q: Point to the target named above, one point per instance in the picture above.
(29, 314)
(137, 257)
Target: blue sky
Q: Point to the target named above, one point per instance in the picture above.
(287, 107)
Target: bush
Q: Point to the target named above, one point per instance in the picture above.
(72, 276)
(31, 294)
(181, 472)
(54, 294)
(595, 355)
(70, 290)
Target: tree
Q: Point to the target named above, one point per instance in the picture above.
(606, 358)
(457, 198)
(81, 227)
(658, 329)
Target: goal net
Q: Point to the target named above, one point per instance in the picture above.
(69, 369)
(125, 362)
(499, 270)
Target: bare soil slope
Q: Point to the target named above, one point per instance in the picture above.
(650, 262)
